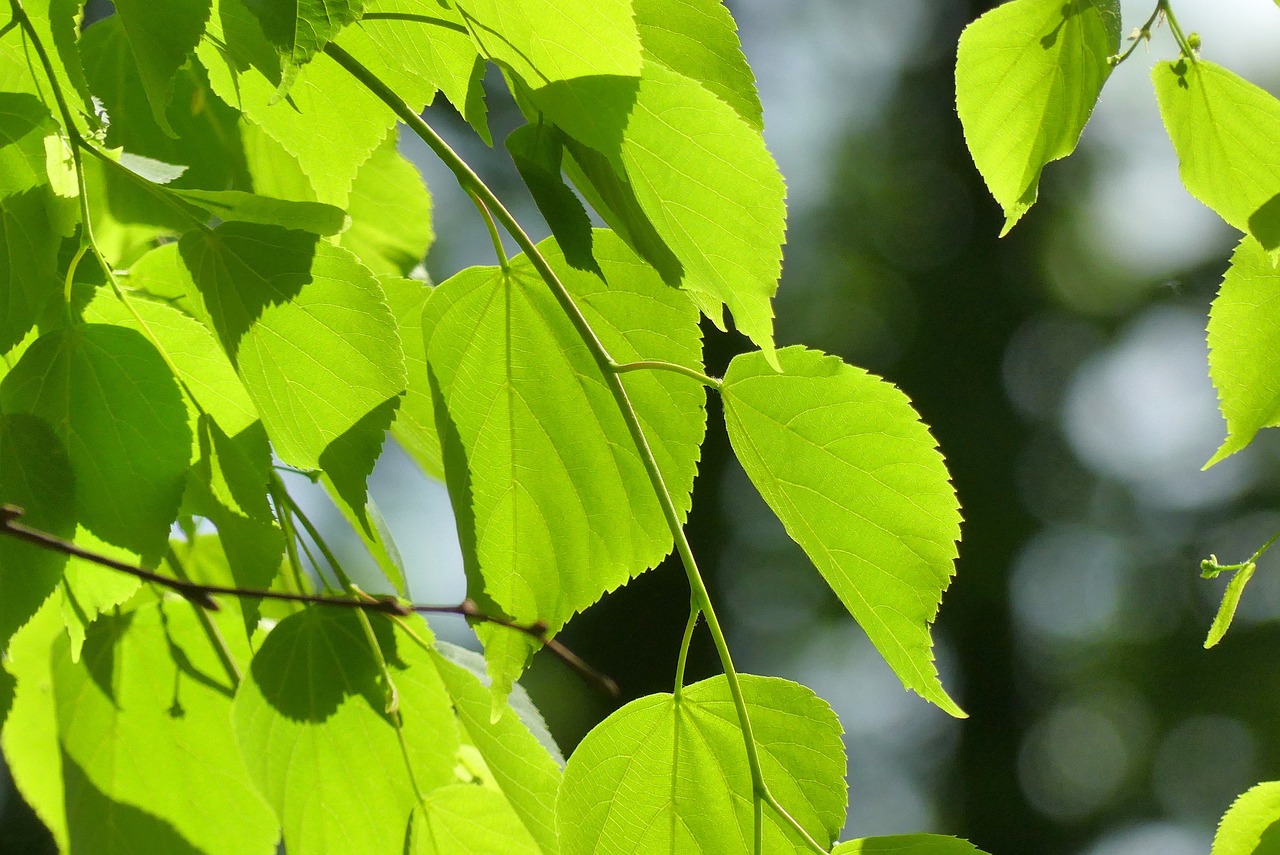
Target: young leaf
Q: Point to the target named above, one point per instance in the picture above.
(312, 724)
(117, 407)
(162, 36)
(1224, 130)
(908, 844)
(307, 328)
(149, 760)
(1252, 825)
(467, 818)
(1027, 76)
(661, 775)
(36, 476)
(554, 506)
(1230, 601)
(843, 460)
(1244, 347)
(698, 39)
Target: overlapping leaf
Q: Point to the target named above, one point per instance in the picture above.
(313, 708)
(390, 211)
(843, 460)
(668, 776)
(1252, 825)
(149, 760)
(310, 334)
(1224, 129)
(116, 406)
(300, 29)
(1028, 74)
(162, 36)
(908, 844)
(415, 424)
(1244, 347)
(554, 506)
(467, 818)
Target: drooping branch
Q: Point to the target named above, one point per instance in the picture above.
(202, 595)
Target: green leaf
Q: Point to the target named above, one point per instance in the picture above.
(25, 122)
(663, 775)
(415, 424)
(1224, 128)
(699, 39)
(554, 506)
(36, 476)
(713, 193)
(57, 24)
(843, 460)
(307, 328)
(29, 279)
(908, 844)
(313, 729)
(390, 212)
(467, 818)
(236, 205)
(1028, 74)
(1244, 347)
(1230, 601)
(1252, 825)
(162, 36)
(246, 72)
(537, 151)
(299, 29)
(145, 726)
(90, 590)
(114, 403)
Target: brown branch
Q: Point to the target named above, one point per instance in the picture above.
(202, 596)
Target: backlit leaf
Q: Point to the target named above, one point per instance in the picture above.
(415, 424)
(299, 29)
(668, 776)
(843, 460)
(390, 211)
(1252, 825)
(114, 403)
(1224, 129)
(1028, 74)
(908, 844)
(162, 36)
(554, 506)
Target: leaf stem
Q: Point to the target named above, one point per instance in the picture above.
(499, 250)
(316, 537)
(1184, 44)
(472, 183)
(675, 368)
(210, 628)
(694, 613)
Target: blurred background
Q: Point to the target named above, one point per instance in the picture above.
(1063, 371)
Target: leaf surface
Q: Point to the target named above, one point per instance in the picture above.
(299, 29)
(162, 36)
(663, 776)
(843, 460)
(1028, 74)
(415, 423)
(554, 506)
(908, 844)
(312, 727)
(1224, 128)
(470, 819)
(116, 406)
(1252, 825)
(390, 211)
(1244, 347)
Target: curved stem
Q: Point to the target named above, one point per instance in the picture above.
(498, 249)
(694, 613)
(472, 183)
(675, 368)
(1188, 50)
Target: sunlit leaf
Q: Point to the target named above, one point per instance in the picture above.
(908, 844)
(390, 211)
(467, 818)
(665, 776)
(1252, 825)
(1028, 74)
(843, 460)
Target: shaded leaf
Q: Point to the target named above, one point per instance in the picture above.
(537, 152)
(162, 36)
(299, 29)
(663, 775)
(843, 460)
(1028, 74)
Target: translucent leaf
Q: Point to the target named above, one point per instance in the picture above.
(229, 205)
(415, 424)
(390, 211)
(90, 590)
(29, 243)
(57, 24)
(301, 28)
(704, 178)
(36, 476)
(908, 844)
(537, 152)
(516, 746)
(1252, 825)
(1230, 602)
(162, 36)
(309, 332)
(466, 818)
(313, 729)
(663, 776)
(245, 72)
(699, 39)
(843, 460)
(1224, 129)
(117, 407)
(1028, 74)
(1244, 347)
(145, 727)
(24, 123)
(554, 507)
